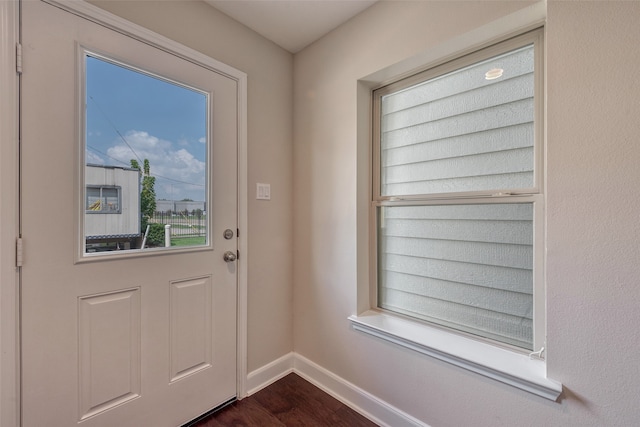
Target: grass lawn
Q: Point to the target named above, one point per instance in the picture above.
(188, 241)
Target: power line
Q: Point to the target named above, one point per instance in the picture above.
(132, 150)
(105, 154)
(116, 129)
(176, 180)
(153, 175)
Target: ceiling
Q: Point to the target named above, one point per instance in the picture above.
(291, 24)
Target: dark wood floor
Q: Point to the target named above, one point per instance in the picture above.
(290, 401)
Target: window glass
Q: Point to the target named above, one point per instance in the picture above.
(468, 130)
(110, 198)
(468, 267)
(146, 148)
(103, 200)
(94, 202)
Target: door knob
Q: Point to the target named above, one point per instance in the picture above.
(229, 256)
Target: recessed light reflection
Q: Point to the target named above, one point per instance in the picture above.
(493, 74)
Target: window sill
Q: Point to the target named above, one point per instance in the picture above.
(517, 370)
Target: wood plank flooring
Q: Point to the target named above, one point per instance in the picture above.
(290, 401)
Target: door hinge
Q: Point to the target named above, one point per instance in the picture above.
(237, 232)
(19, 58)
(19, 252)
(237, 254)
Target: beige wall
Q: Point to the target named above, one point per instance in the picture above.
(269, 69)
(592, 217)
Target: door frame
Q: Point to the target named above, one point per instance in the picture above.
(9, 186)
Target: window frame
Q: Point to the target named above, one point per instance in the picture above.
(512, 366)
(534, 37)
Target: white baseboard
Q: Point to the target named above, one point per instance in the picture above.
(369, 406)
(269, 373)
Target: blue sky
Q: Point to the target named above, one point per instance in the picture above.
(159, 121)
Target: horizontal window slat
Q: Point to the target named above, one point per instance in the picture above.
(504, 92)
(498, 163)
(497, 212)
(416, 280)
(496, 300)
(487, 276)
(505, 328)
(498, 254)
(481, 183)
(513, 232)
(514, 113)
(515, 63)
(492, 140)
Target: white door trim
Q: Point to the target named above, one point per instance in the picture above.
(9, 160)
(9, 225)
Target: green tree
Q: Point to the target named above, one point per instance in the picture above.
(147, 192)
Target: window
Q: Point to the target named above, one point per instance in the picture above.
(451, 256)
(457, 195)
(103, 199)
(146, 151)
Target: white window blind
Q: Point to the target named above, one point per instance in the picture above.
(461, 132)
(448, 252)
(468, 267)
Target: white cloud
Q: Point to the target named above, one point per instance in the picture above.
(202, 140)
(166, 161)
(94, 158)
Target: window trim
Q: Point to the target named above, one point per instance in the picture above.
(522, 371)
(519, 370)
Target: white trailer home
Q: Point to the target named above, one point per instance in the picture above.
(112, 203)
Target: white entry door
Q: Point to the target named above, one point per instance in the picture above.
(115, 333)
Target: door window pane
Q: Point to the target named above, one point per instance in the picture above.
(146, 145)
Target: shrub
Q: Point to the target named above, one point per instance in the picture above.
(156, 235)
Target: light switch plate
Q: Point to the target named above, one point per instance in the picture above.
(263, 191)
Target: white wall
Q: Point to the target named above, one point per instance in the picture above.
(269, 69)
(594, 208)
(593, 212)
